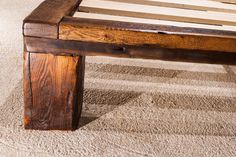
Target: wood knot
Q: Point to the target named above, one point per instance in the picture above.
(120, 49)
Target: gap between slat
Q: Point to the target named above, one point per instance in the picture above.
(150, 21)
(186, 4)
(155, 12)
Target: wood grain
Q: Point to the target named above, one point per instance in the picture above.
(56, 84)
(153, 22)
(157, 12)
(41, 30)
(227, 1)
(204, 5)
(28, 101)
(43, 21)
(78, 48)
(162, 28)
(124, 33)
(55, 47)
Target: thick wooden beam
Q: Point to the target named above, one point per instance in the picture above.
(173, 25)
(146, 27)
(44, 20)
(78, 48)
(125, 33)
(53, 87)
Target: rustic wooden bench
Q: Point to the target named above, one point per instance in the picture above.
(60, 33)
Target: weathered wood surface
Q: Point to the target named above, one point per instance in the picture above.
(40, 30)
(78, 48)
(53, 87)
(163, 28)
(124, 33)
(138, 21)
(28, 100)
(44, 20)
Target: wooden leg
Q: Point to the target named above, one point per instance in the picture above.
(53, 91)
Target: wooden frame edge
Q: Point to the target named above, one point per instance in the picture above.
(44, 20)
(144, 27)
(114, 32)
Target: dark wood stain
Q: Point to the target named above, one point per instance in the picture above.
(77, 48)
(44, 20)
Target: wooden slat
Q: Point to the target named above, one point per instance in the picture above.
(133, 34)
(226, 1)
(151, 21)
(155, 12)
(186, 4)
(77, 48)
(43, 21)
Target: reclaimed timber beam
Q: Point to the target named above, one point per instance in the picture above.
(112, 32)
(53, 91)
(44, 20)
(78, 48)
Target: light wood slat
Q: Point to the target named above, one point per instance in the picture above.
(226, 1)
(154, 12)
(186, 4)
(150, 21)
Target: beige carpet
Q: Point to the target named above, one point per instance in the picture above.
(131, 107)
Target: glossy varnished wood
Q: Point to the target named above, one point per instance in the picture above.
(53, 91)
(44, 20)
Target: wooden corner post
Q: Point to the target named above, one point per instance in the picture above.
(53, 85)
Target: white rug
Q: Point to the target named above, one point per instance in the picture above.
(131, 107)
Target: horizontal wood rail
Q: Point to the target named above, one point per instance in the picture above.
(114, 32)
(189, 25)
(77, 48)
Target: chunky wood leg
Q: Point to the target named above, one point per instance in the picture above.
(53, 91)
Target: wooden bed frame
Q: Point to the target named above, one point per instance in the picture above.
(58, 35)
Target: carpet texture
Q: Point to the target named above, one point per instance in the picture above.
(132, 107)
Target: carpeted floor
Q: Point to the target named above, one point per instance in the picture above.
(131, 107)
